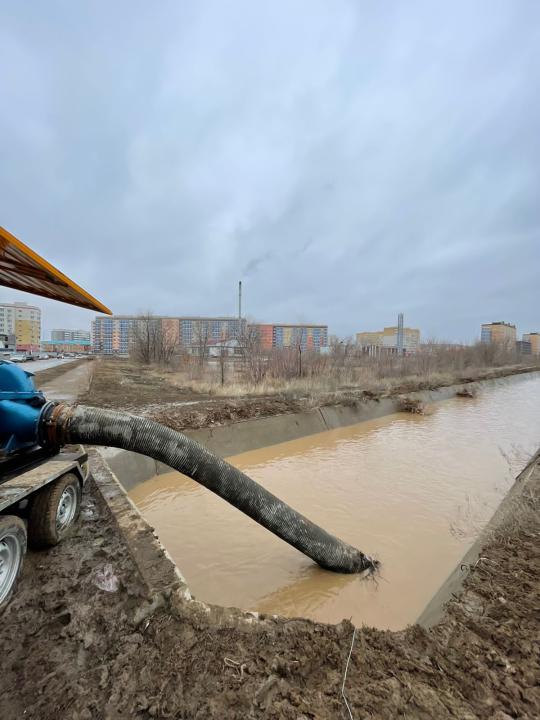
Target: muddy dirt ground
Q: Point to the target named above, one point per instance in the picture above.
(71, 647)
(119, 384)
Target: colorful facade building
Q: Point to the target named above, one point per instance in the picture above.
(388, 339)
(534, 339)
(23, 321)
(114, 335)
(502, 333)
(308, 337)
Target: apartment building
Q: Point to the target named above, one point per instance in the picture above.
(369, 339)
(388, 339)
(306, 336)
(534, 339)
(61, 336)
(24, 322)
(114, 334)
(498, 332)
(411, 338)
(523, 347)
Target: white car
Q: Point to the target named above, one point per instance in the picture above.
(18, 357)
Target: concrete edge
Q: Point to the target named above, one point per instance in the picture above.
(164, 584)
(159, 573)
(256, 433)
(435, 609)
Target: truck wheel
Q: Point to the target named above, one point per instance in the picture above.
(12, 552)
(53, 511)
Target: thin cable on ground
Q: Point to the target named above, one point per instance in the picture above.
(345, 676)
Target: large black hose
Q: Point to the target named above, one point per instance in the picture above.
(61, 424)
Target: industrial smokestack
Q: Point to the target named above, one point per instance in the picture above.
(239, 308)
(400, 334)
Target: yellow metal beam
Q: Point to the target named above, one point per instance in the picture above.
(23, 269)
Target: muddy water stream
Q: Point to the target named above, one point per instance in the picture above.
(414, 491)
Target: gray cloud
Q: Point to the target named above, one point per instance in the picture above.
(351, 160)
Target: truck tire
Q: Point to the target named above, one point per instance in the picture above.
(12, 552)
(53, 511)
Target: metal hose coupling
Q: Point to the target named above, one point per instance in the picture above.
(53, 424)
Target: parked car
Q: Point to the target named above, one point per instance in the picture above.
(43, 356)
(18, 357)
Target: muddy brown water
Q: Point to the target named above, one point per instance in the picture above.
(414, 491)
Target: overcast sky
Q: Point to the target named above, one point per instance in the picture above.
(346, 160)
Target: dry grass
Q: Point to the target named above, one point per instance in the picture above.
(314, 377)
(318, 386)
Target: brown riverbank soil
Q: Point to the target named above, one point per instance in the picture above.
(119, 384)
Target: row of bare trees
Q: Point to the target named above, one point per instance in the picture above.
(153, 341)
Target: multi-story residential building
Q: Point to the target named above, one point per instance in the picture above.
(62, 335)
(498, 332)
(308, 337)
(23, 321)
(523, 347)
(388, 339)
(114, 334)
(411, 338)
(193, 331)
(534, 339)
(370, 339)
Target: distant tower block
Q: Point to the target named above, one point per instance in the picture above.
(400, 334)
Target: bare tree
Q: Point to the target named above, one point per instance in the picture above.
(223, 355)
(151, 342)
(201, 341)
(255, 360)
